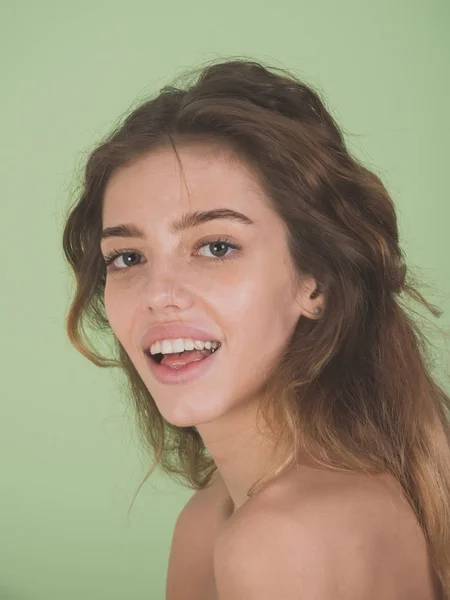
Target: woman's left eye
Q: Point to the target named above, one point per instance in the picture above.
(112, 256)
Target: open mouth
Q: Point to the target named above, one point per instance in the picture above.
(181, 367)
(157, 358)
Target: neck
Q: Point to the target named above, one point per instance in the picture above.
(241, 452)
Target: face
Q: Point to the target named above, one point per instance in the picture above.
(245, 294)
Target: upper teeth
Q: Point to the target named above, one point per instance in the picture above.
(181, 344)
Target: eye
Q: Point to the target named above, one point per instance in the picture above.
(112, 256)
(224, 244)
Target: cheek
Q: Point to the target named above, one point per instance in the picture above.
(116, 313)
(240, 299)
(262, 320)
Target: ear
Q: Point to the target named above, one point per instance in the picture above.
(310, 297)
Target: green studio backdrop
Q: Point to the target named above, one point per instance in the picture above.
(70, 459)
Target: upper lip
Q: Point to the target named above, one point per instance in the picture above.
(173, 330)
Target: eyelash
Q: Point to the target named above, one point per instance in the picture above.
(111, 256)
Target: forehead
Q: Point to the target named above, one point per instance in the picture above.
(209, 175)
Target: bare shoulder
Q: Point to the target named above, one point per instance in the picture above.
(203, 503)
(329, 534)
(202, 509)
(190, 570)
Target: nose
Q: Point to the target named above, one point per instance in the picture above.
(164, 286)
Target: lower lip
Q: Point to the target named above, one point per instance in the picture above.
(183, 375)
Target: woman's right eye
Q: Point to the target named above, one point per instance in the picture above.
(112, 256)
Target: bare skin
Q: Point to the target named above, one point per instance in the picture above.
(190, 572)
(208, 524)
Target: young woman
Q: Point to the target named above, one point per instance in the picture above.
(249, 269)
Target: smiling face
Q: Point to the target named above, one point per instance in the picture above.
(244, 294)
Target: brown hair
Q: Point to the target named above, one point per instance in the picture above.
(354, 388)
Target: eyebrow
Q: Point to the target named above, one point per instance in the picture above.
(186, 221)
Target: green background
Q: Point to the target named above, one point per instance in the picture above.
(70, 459)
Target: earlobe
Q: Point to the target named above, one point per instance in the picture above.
(307, 300)
(317, 292)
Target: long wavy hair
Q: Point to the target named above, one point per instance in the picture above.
(355, 389)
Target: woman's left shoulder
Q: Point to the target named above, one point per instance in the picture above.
(352, 525)
(371, 506)
(336, 518)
